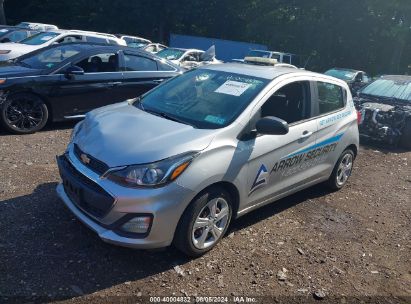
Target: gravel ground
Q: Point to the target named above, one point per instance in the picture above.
(353, 244)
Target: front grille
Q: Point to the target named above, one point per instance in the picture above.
(95, 165)
(82, 191)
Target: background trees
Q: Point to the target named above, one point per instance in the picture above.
(368, 34)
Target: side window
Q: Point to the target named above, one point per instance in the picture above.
(150, 48)
(139, 63)
(105, 62)
(191, 57)
(366, 78)
(291, 103)
(68, 39)
(358, 77)
(162, 66)
(96, 40)
(330, 97)
(287, 59)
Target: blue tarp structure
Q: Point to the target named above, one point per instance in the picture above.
(226, 50)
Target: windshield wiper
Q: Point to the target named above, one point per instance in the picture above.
(137, 103)
(167, 116)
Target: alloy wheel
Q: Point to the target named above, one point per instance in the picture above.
(24, 114)
(344, 169)
(210, 223)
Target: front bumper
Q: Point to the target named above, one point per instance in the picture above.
(165, 204)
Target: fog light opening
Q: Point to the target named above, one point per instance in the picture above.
(138, 224)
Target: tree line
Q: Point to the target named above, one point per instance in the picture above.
(371, 35)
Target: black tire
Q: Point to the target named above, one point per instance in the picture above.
(23, 113)
(334, 182)
(405, 140)
(185, 232)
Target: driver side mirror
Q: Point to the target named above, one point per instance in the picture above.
(73, 71)
(272, 126)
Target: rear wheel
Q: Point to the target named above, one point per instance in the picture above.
(204, 222)
(24, 113)
(342, 170)
(405, 140)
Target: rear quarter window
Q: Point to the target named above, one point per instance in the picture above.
(330, 97)
(139, 63)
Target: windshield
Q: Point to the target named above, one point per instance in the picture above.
(262, 54)
(49, 58)
(205, 99)
(15, 36)
(135, 42)
(39, 38)
(171, 54)
(390, 88)
(341, 74)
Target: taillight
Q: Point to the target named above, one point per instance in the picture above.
(359, 116)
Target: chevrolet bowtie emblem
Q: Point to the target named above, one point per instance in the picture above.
(85, 159)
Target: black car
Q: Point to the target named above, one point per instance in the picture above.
(385, 107)
(354, 78)
(66, 81)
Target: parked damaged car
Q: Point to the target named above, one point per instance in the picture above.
(355, 79)
(385, 108)
(189, 58)
(66, 81)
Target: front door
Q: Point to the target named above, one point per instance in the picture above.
(280, 163)
(98, 86)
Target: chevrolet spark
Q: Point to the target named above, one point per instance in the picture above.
(178, 164)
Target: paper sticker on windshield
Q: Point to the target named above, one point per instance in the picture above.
(234, 88)
(215, 119)
(46, 38)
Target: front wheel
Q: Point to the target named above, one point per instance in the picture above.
(204, 222)
(24, 113)
(342, 170)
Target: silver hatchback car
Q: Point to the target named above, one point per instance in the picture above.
(178, 164)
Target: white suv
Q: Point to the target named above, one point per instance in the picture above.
(13, 50)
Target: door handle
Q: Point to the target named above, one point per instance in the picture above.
(306, 134)
(115, 83)
(158, 80)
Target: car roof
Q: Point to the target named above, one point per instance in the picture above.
(78, 32)
(260, 71)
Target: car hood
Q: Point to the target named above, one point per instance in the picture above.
(9, 71)
(122, 134)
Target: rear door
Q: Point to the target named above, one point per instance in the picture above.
(141, 74)
(334, 118)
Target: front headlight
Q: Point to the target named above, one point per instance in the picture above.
(154, 174)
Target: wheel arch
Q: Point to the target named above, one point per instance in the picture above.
(43, 98)
(354, 148)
